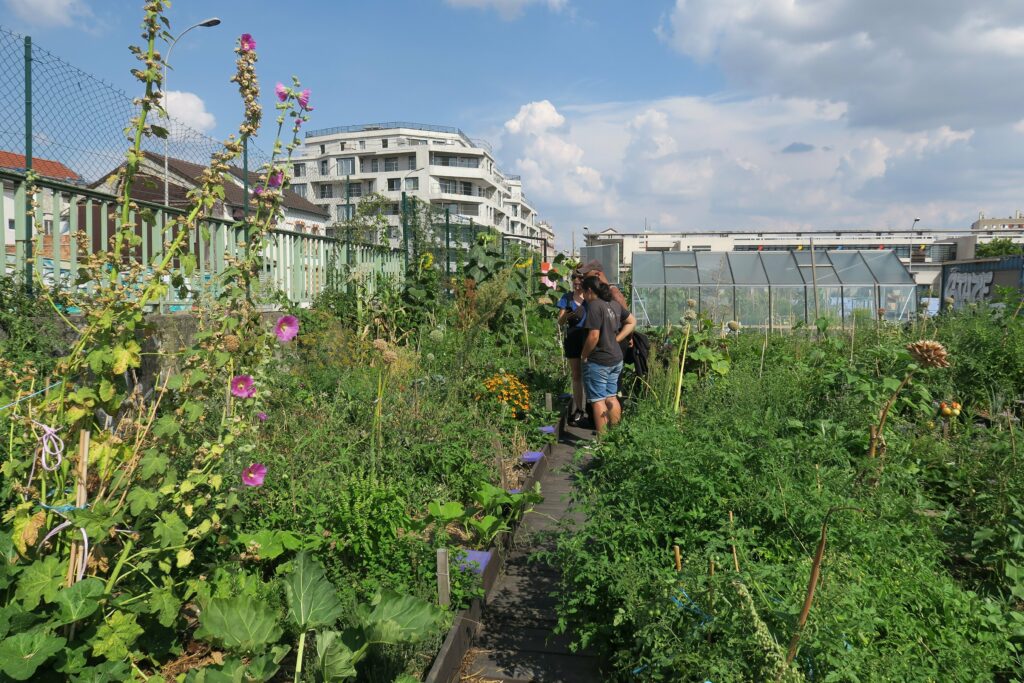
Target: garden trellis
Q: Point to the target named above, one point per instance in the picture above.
(775, 289)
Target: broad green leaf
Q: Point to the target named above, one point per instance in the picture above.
(141, 499)
(335, 660)
(447, 512)
(164, 604)
(79, 601)
(23, 653)
(170, 530)
(115, 636)
(268, 544)
(398, 619)
(238, 623)
(107, 672)
(40, 580)
(312, 600)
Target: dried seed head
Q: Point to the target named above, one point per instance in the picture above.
(389, 357)
(380, 345)
(733, 325)
(929, 353)
(690, 315)
(692, 303)
(232, 343)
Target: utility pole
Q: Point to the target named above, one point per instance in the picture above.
(405, 233)
(29, 217)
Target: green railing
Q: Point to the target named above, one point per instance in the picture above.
(71, 223)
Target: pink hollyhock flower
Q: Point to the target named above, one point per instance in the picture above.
(243, 386)
(275, 179)
(304, 99)
(262, 417)
(247, 43)
(287, 328)
(253, 474)
(282, 92)
(258, 190)
(546, 281)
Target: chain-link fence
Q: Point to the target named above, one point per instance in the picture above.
(77, 119)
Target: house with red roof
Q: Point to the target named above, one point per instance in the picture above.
(51, 170)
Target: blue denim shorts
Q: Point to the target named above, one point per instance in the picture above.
(601, 381)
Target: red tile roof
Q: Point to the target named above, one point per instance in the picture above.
(44, 167)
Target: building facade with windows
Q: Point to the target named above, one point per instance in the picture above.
(923, 250)
(438, 165)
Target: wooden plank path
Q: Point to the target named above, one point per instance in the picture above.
(516, 642)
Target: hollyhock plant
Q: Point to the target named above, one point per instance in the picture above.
(276, 179)
(261, 416)
(546, 281)
(247, 42)
(254, 474)
(257, 190)
(304, 99)
(282, 92)
(287, 328)
(243, 386)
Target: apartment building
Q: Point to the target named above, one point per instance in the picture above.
(438, 165)
(922, 250)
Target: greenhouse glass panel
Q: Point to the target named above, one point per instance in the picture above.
(830, 304)
(789, 306)
(858, 301)
(680, 268)
(887, 268)
(713, 268)
(850, 267)
(648, 269)
(752, 306)
(820, 270)
(648, 305)
(781, 268)
(717, 303)
(747, 268)
(899, 303)
(676, 303)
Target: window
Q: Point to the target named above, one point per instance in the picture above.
(467, 188)
(375, 165)
(355, 189)
(449, 186)
(392, 209)
(394, 184)
(47, 226)
(10, 224)
(342, 145)
(346, 166)
(412, 162)
(391, 164)
(369, 187)
(323, 149)
(299, 190)
(412, 184)
(324, 167)
(362, 144)
(326, 191)
(344, 212)
(384, 143)
(299, 170)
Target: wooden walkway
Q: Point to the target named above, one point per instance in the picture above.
(516, 642)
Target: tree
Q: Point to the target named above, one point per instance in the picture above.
(368, 223)
(999, 247)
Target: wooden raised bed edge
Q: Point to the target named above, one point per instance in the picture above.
(466, 626)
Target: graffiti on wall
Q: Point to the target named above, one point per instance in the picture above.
(966, 288)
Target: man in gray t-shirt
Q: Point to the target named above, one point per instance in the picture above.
(607, 324)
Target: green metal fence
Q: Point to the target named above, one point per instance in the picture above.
(72, 222)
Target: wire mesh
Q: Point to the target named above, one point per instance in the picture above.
(79, 119)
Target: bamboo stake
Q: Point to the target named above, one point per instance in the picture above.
(443, 585)
(679, 558)
(814, 281)
(682, 364)
(81, 495)
(735, 557)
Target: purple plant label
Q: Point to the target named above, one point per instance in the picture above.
(532, 456)
(473, 560)
(549, 429)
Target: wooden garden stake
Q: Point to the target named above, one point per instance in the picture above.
(548, 405)
(735, 557)
(444, 590)
(81, 494)
(682, 363)
(679, 558)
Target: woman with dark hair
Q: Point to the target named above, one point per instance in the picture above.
(607, 324)
(573, 313)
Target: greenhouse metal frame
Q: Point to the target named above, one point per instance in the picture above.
(774, 289)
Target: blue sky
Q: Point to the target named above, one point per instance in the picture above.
(684, 114)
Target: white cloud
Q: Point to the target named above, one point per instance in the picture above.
(188, 109)
(50, 12)
(912, 64)
(509, 9)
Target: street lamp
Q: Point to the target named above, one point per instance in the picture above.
(916, 220)
(205, 23)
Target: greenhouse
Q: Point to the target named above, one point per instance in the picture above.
(775, 289)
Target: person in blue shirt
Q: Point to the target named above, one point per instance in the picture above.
(572, 314)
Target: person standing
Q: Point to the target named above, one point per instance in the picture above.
(573, 314)
(607, 324)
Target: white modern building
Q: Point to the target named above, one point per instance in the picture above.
(923, 250)
(438, 165)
